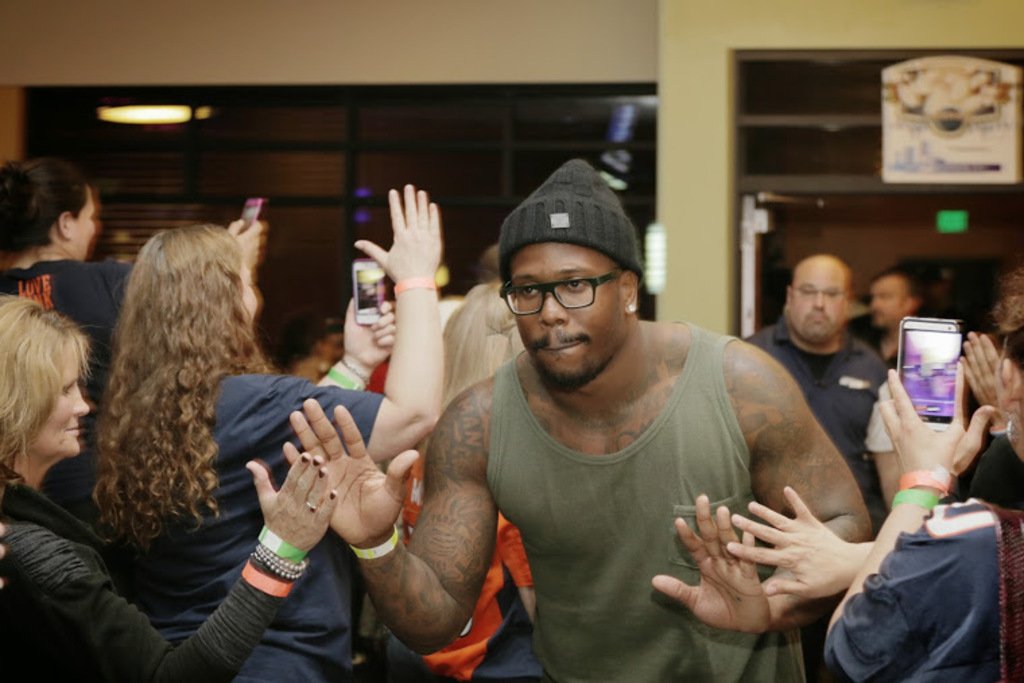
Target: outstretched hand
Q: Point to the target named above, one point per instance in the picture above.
(815, 562)
(300, 512)
(416, 250)
(730, 595)
(369, 501)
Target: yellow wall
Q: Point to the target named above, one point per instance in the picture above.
(694, 85)
(11, 123)
(327, 42)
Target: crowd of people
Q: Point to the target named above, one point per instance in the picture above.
(573, 510)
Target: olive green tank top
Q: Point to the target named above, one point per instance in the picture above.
(597, 528)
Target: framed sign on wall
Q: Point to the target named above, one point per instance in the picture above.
(951, 119)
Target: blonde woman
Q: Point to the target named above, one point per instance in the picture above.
(190, 397)
(60, 611)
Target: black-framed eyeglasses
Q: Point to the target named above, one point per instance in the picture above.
(577, 292)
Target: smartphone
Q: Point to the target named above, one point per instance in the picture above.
(929, 349)
(368, 289)
(251, 211)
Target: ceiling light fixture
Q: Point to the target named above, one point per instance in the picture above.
(146, 113)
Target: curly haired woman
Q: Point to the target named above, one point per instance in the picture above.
(49, 222)
(190, 393)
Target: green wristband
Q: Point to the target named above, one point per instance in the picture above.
(344, 381)
(281, 547)
(925, 499)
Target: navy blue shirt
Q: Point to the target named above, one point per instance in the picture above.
(931, 613)
(841, 399)
(90, 294)
(188, 572)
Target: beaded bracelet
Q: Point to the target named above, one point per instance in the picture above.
(365, 378)
(285, 569)
(272, 558)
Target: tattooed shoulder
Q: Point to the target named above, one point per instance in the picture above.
(458, 446)
(767, 401)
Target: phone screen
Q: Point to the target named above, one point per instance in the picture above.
(368, 289)
(929, 351)
(251, 210)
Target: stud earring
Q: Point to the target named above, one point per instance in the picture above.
(631, 308)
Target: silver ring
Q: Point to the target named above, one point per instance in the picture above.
(312, 508)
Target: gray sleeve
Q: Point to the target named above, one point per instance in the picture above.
(70, 588)
(221, 645)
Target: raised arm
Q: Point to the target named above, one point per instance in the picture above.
(252, 240)
(412, 391)
(97, 624)
(425, 592)
(919, 448)
(789, 448)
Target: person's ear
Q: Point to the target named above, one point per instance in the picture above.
(64, 228)
(629, 289)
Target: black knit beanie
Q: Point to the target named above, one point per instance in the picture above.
(576, 206)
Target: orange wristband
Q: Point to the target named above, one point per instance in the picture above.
(938, 478)
(265, 584)
(415, 283)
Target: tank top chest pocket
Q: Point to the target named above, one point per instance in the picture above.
(677, 552)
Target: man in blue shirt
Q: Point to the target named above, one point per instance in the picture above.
(839, 376)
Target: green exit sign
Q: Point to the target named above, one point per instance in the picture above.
(950, 222)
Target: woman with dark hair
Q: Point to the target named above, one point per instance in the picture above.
(191, 395)
(60, 613)
(49, 222)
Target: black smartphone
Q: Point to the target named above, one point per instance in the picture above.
(929, 349)
(368, 289)
(251, 211)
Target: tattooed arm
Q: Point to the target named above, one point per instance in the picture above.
(789, 448)
(426, 593)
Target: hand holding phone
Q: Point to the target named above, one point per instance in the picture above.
(251, 211)
(367, 290)
(929, 350)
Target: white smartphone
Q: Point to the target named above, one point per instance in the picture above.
(368, 290)
(929, 349)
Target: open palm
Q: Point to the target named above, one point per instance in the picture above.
(730, 595)
(369, 500)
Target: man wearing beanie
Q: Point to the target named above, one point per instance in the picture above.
(593, 443)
